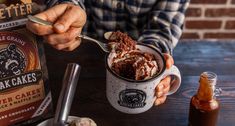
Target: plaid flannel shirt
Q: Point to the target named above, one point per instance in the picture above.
(157, 22)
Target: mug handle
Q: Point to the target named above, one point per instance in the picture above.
(175, 83)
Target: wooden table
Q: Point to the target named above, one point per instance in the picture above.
(191, 57)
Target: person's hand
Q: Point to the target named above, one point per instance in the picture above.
(164, 86)
(68, 22)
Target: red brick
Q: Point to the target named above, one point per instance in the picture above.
(193, 12)
(208, 1)
(190, 36)
(230, 24)
(203, 24)
(219, 35)
(229, 12)
(233, 1)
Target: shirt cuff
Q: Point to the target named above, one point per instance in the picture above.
(76, 2)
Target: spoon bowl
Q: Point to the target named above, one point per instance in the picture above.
(107, 34)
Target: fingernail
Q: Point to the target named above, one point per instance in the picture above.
(59, 27)
(160, 86)
(159, 94)
(157, 103)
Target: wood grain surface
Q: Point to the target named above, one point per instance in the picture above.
(191, 57)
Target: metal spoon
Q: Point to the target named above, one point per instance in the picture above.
(107, 35)
(66, 94)
(105, 47)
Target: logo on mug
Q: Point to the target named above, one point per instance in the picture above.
(132, 98)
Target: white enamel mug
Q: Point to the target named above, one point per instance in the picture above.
(133, 97)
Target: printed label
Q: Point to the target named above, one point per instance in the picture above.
(24, 87)
(13, 13)
(21, 81)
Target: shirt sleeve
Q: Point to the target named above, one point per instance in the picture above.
(165, 24)
(76, 2)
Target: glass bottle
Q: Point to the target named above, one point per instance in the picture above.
(204, 107)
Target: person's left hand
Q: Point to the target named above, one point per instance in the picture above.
(164, 86)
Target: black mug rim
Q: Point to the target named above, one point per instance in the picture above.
(138, 81)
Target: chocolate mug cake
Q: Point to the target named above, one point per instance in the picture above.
(128, 61)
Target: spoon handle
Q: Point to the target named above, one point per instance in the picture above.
(67, 93)
(39, 21)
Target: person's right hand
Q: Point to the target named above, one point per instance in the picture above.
(68, 22)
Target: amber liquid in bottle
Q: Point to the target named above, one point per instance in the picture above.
(204, 108)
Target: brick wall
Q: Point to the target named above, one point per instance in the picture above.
(210, 19)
